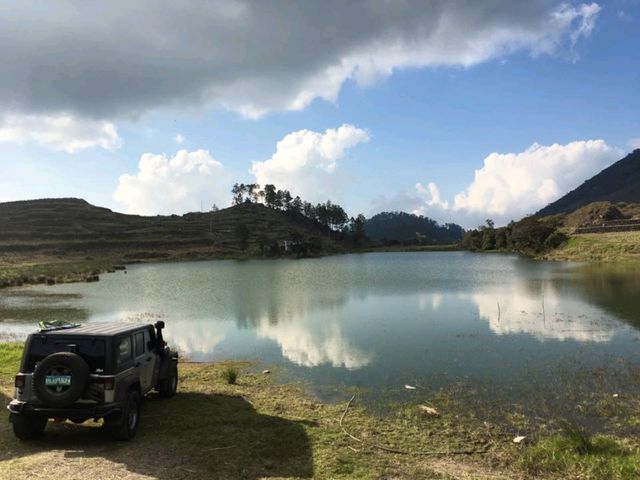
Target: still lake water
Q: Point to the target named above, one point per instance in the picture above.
(377, 321)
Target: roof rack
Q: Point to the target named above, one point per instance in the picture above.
(47, 326)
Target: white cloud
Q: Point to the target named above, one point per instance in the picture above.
(59, 132)
(254, 56)
(306, 162)
(180, 138)
(178, 184)
(432, 194)
(634, 143)
(511, 185)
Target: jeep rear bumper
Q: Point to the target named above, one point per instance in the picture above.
(72, 412)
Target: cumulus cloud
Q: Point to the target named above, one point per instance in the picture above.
(180, 138)
(59, 132)
(306, 162)
(253, 56)
(432, 194)
(178, 184)
(520, 183)
(511, 185)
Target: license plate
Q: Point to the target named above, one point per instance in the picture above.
(58, 381)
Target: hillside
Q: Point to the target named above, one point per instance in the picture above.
(69, 225)
(389, 227)
(618, 183)
(79, 237)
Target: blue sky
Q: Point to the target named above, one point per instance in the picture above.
(431, 120)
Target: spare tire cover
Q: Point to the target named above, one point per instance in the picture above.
(60, 379)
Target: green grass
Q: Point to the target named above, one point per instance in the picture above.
(10, 354)
(39, 269)
(576, 456)
(253, 429)
(600, 247)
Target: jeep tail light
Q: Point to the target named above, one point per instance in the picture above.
(107, 382)
(20, 381)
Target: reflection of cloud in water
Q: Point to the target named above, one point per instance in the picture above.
(564, 318)
(194, 338)
(431, 301)
(310, 344)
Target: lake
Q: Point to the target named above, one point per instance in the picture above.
(505, 327)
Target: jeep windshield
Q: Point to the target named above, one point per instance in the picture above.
(91, 350)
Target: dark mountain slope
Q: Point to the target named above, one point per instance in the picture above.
(618, 183)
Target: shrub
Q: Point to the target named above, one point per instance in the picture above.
(555, 240)
(230, 375)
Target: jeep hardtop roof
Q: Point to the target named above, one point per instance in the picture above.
(95, 329)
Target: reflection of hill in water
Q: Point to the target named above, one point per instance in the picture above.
(614, 288)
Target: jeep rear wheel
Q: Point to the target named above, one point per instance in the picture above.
(125, 425)
(26, 427)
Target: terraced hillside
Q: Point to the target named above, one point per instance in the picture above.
(73, 232)
(60, 226)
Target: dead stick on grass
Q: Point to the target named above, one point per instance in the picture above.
(403, 452)
(220, 448)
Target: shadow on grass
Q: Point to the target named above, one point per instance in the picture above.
(192, 435)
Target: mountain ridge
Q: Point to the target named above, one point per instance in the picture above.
(620, 182)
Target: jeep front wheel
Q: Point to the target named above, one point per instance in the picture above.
(125, 425)
(169, 386)
(26, 427)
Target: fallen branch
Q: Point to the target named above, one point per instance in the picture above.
(404, 452)
(220, 448)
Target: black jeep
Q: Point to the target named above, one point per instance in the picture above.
(92, 371)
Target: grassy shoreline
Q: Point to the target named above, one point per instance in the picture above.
(599, 247)
(259, 428)
(41, 269)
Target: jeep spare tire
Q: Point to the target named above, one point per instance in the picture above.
(60, 379)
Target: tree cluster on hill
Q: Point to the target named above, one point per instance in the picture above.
(407, 228)
(329, 215)
(530, 236)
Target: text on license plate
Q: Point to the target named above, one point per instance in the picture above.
(57, 380)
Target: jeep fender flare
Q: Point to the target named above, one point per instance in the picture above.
(124, 386)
